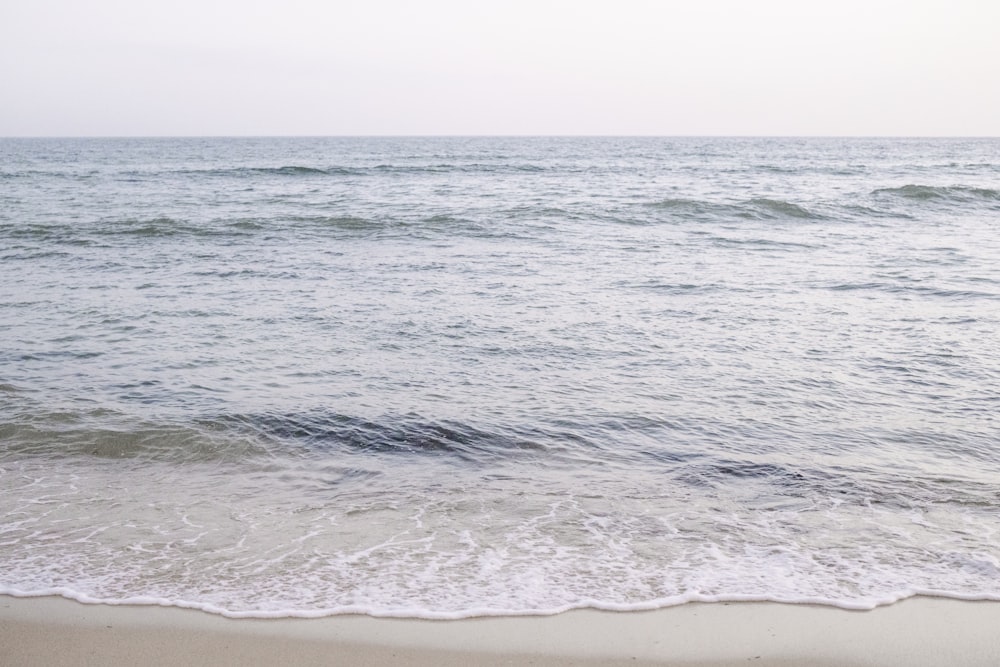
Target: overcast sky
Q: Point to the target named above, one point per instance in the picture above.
(673, 67)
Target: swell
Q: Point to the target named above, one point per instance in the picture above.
(94, 232)
(929, 193)
(234, 438)
(926, 291)
(104, 434)
(667, 447)
(100, 232)
(880, 203)
(758, 208)
(303, 171)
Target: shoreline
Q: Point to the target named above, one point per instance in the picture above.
(916, 631)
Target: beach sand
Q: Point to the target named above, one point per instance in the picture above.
(920, 631)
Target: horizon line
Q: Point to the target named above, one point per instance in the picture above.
(498, 136)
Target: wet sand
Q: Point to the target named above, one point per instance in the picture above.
(919, 631)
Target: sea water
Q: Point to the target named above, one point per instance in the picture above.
(442, 377)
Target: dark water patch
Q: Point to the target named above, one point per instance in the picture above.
(325, 432)
(917, 489)
(723, 473)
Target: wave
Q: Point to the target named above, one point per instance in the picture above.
(286, 170)
(758, 208)
(322, 434)
(105, 434)
(680, 289)
(762, 244)
(914, 290)
(84, 234)
(471, 167)
(348, 223)
(929, 193)
(153, 227)
(307, 537)
(293, 171)
(409, 227)
(102, 232)
(324, 431)
(778, 208)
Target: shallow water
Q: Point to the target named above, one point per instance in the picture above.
(442, 377)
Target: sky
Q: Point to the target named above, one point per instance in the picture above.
(539, 67)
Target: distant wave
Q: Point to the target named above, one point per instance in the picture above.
(759, 208)
(673, 288)
(778, 208)
(295, 171)
(76, 233)
(250, 172)
(153, 227)
(410, 225)
(385, 168)
(348, 223)
(928, 192)
(914, 290)
(757, 243)
(471, 167)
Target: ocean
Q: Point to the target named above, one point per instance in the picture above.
(447, 377)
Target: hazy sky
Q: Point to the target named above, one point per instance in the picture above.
(673, 67)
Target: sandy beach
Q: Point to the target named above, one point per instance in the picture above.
(919, 631)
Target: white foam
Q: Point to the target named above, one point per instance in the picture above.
(460, 552)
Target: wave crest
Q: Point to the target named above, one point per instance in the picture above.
(929, 192)
(758, 208)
